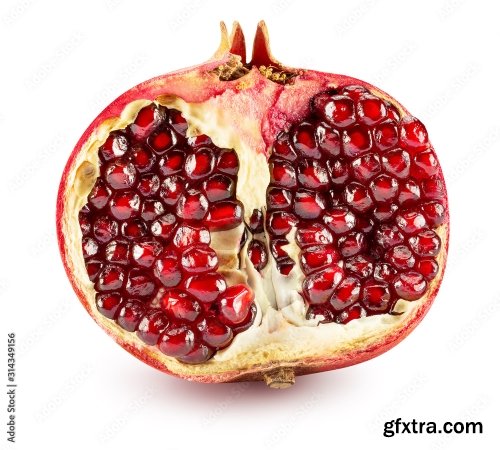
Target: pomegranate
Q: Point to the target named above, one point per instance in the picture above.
(249, 221)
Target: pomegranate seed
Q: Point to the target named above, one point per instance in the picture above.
(99, 195)
(357, 140)
(198, 355)
(308, 205)
(187, 235)
(151, 326)
(167, 269)
(357, 197)
(410, 222)
(111, 278)
(352, 313)
(346, 293)
(256, 222)
(162, 140)
(351, 244)
(171, 189)
(376, 296)
(117, 252)
(397, 163)
(143, 159)
(224, 215)
(258, 254)
(384, 211)
(317, 257)
(164, 227)
(124, 205)
(425, 243)
(285, 266)
(366, 167)
(413, 134)
(370, 109)
(234, 304)
(384, 272)
(172, 163)
(425, 165)
(116, 145)
(428, 268)
(338, 170)
(409, 193)
(434, 213)
(180, 306)
(401, 257)
(386, 135)
(177, 122)
(321, 313)
(283, 148)
(278, 198)
(199, 259)
(354, 91)
(192, 205)
(108, 304)
(410, 285)
(328, 140)
(277, 249)
(120, 174)
(312, 174)
(360, 265)
(336, 110)
(205, 287)
(339, 219)
(280, 223)
(384, 188)
(313, 234)
(148, 185)
(199, 164)
(304, 141)
(388, 236)
(145, 252)
(364, 224)
(228, 162)
(392, 112)
(130, 315)
(282, 174)
(176, 341)
(93, 269)
(105, 229)
(139, 284)
(148, 118)
(84, 220)
(201, 140)
(433, 189)
(215, 333)
(219, 187)
(319, 287)
(151, 209)
(133, 229)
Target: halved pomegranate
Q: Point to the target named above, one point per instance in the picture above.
(248, 221)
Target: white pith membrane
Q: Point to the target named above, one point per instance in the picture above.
(280, 335)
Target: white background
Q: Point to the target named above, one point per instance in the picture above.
(62, 62)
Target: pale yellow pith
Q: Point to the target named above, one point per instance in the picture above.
(280, 335)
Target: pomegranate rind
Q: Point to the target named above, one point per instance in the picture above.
(302, 349)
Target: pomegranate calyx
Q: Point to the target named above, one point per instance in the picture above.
(232, 49)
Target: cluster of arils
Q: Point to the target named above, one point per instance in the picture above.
(146, 236)
(364, 190)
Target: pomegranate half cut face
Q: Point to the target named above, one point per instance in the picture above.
(248, 221)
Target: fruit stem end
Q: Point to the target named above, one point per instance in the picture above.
(281, 378)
